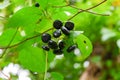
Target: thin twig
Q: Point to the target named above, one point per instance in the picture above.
(86, 10)
(81, 10)
(46, 56)
(9, 43)
(90, 11)
(26, 39)
(97, 5)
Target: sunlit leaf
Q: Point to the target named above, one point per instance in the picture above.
(7, 36)
(61, 13)
(18, 2)
(24, 17)
(56, 2)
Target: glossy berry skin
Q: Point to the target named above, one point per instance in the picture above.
(52, 44)
(37, 4)
(46, 37)
(71, 48)
(65, 30)
(57, 51)
(57, 24)
(57, 33)
(69, 25)
(46, 48)
(61, 44)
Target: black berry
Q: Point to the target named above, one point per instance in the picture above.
(46, 48)
(71, 48)
(57, 51)
(61, 44)
(52, 44)
(37, 4)
(69, 25)
(46, 37)
(57, 24)
(65, 31)
(84, 41)
(57, 33)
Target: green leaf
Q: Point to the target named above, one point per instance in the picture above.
(32, 58)
(57, 76)
(46, 3)
(24, 17)
(62, 13)
(51, 56)
(18, 2)
(56, 2)
(43, 25)
(7, 36)
(85, 46)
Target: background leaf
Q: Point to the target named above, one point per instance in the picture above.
(57, 76)
(85, 46)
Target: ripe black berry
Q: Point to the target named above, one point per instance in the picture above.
(69, 25)
(57, 51)
(52, 44)
(37, 4)
(45, 37)
(46, 48)
(61, 44)
(71, 48)
(57, 24)
(65, 31)
(57, 33)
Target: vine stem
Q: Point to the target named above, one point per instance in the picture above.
(86, 10)
(46, 56)
(21, 41)
(26, 39)
(90, 11)
(68, 5)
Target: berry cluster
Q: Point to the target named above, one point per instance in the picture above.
(58, 47)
